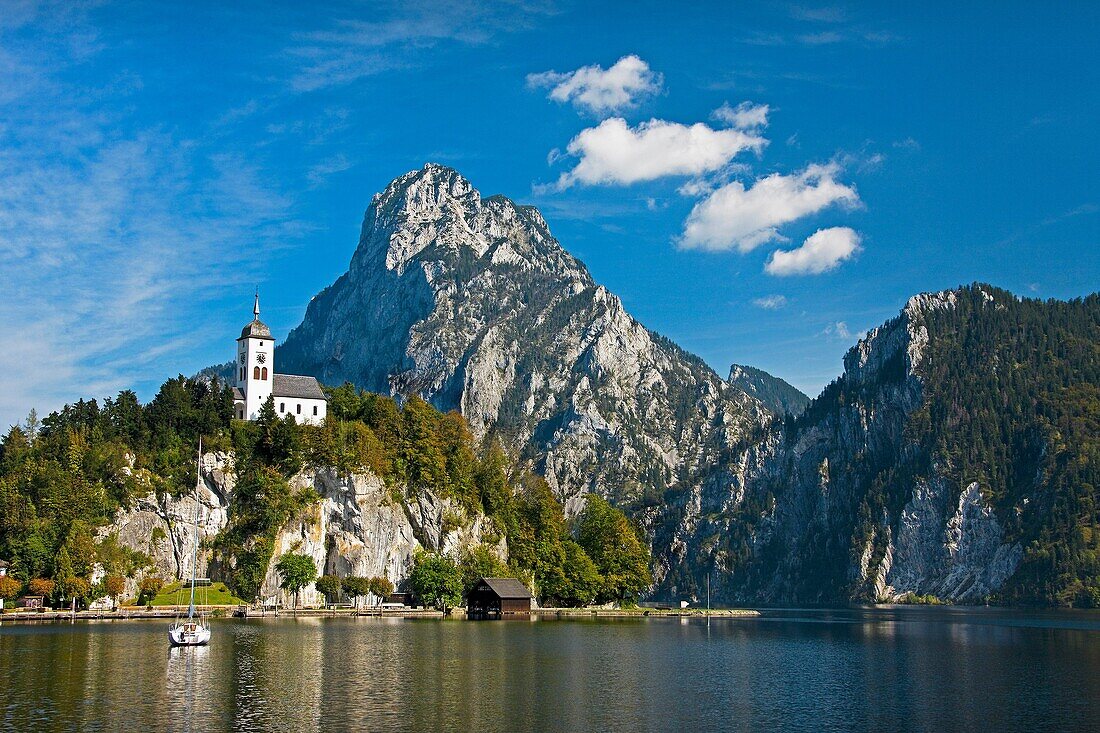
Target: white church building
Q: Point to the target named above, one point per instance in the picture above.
(299, 397)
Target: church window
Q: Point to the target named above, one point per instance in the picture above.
(242, 374)
(264, 373)
(315, 409)
(299, 410)
(255, 372)
(282, 407)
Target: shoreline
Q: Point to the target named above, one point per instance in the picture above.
(136, 614)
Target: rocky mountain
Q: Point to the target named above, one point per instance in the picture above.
(952, 458)
(776, 395)
(471, 303)
(956, 457)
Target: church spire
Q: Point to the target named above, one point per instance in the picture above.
(256, 308)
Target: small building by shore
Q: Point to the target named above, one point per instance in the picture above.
(498, 597)
(4, 565)
(31, 602)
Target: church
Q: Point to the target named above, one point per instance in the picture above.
(297, 396)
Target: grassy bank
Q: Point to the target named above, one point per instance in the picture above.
(177, 594)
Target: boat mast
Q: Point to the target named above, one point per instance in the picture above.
(195, 550)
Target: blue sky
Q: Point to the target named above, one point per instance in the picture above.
(158, 161)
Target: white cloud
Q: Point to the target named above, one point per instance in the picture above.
(745, 116)
(615, 153)
(771, 302)
(840, 330)
(824, 250)
(598, 90)
(744, 218)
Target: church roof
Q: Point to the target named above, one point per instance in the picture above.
(292, 385)
(238, 395)
(256, 329)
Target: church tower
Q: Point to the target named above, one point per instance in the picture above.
(298, 397)
(255, 364)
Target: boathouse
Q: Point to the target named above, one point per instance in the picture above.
(498, 597)
(4, 565)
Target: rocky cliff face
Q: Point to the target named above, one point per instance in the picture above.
(360, 527)
(842, 504)
(473, 304)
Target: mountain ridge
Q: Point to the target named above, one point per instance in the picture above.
(472, 304)
(855, 495)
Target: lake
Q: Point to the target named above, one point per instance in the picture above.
(906, 669)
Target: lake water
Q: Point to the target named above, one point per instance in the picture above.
(906, 669)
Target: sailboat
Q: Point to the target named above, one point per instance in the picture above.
(192, 630)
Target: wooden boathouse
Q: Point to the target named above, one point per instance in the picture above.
(497, 598)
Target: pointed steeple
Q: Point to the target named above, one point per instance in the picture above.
(257, 328)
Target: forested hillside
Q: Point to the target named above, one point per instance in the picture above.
(64, 481)
(1013, 403)
(957, 459)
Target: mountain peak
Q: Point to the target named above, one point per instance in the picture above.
(431, 186)
(471, 303)
(436, 217)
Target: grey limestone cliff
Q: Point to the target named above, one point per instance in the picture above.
(789, 519)
(471, 303)
(359, 527)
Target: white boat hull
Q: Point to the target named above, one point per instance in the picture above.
(189, 635)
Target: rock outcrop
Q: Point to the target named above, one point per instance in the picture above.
(841, 504)
(359, 527)
(472, 304)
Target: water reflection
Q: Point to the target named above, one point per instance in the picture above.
(187, 672)
(797, 670)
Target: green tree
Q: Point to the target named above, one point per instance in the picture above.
(491, 478)
(580, 579)
(113, 587)
(436, 580)
(620, 555)
(280, 442)
(356, 587)
(148, 589)
(75, 588)
(297, 571)
(479, 562)
(380, 587)
(81, 548)
(63, 569)
(32, 425)
(421, 448)
(329, 586)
